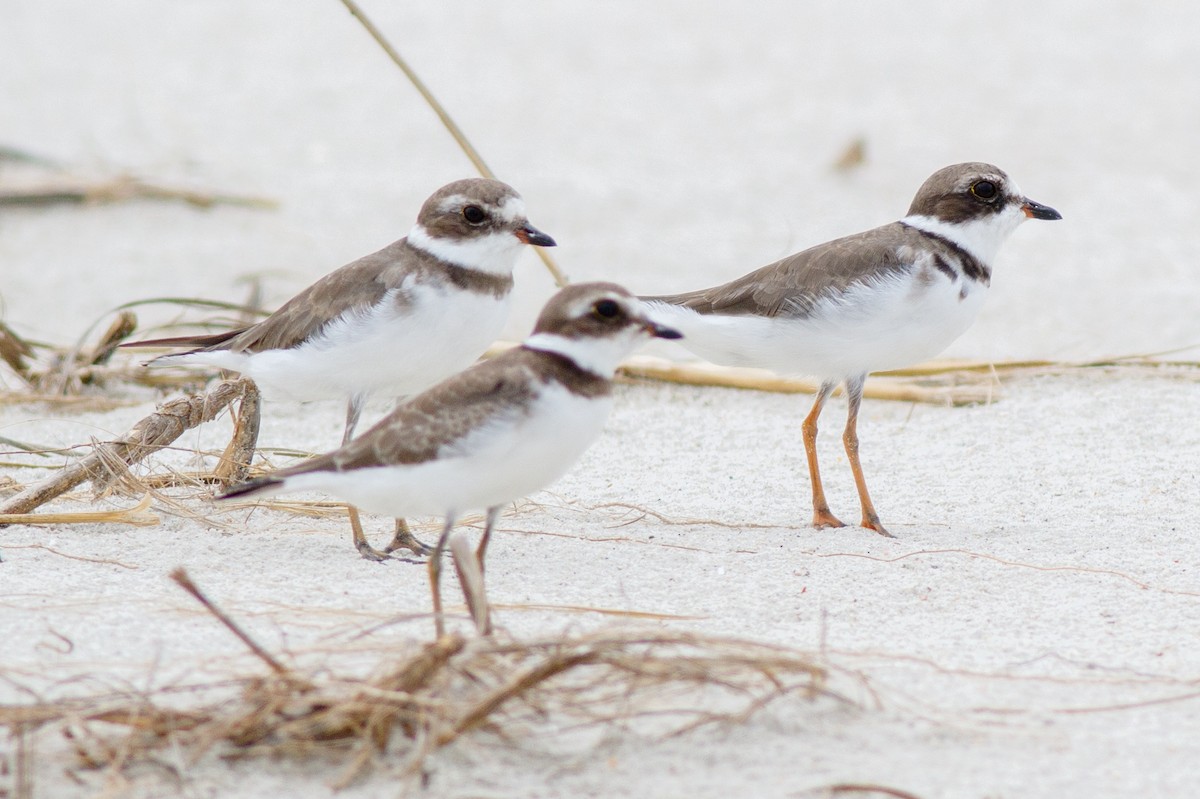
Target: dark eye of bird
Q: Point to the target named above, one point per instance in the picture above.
(606, 309)
(474, 214)
(984, 190)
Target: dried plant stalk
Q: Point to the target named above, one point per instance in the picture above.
(444, 690)
(14, 351)
(184, 581)
(235, 462)
(121, 189)
(704, 374)
(157, 430)
(708, 374)
(136, 516)
(118, 331)
(436, 693)
(468, 149)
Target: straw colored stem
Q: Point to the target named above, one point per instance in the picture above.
(455, 131)
(136, 516)
(157, 430)
(180, 576)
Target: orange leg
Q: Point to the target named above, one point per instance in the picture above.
(854, 392)
(822, 517)
(360, 539)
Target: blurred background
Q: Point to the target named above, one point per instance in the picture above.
(666, 145)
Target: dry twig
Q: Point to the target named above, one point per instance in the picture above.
(157, 430)
(62, 189)
(455, 131)
(137, 516)
(437, 693)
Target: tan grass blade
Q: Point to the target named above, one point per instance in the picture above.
(122, 188)
(455, 131)
(136, 516)
(167, 423)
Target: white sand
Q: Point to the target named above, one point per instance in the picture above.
(1033, 629)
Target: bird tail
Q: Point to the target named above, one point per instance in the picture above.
(195, 342)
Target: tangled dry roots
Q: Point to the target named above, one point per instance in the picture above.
(433, 696)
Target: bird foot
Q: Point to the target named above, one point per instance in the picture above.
(371, 553)
(823, 519)
(403, 539)
(877, 526)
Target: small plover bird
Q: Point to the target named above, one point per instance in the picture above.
(502, 429)
(881, 299)
(393, 322)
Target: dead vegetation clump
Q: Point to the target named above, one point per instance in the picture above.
(428, 697)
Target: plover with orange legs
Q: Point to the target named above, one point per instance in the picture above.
(882, 299)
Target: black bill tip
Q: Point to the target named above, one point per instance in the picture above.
(531, 235)
(1035, 210)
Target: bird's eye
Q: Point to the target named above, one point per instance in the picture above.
(474, 214)
(984, 190)
(606, 309)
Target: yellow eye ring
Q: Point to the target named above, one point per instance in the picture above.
(984, 190)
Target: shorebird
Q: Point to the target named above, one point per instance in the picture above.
(881, 299)
(393, 322)
(502, 429)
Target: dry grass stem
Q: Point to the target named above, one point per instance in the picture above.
(1015, 564)
(625, 614)
(180, 576)
(234, 466)
(424, 697)
(868, 789)
(157, 430)
(69, 556)
(15, 352)
(137, 516)
(456, 132)
(705, 374)
(68, 189)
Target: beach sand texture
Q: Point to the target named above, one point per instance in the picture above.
(1033, 630)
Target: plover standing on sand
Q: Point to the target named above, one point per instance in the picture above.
(391, 323)
(882, 299)
(500, 430)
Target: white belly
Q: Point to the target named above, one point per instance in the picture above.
(442, 331)
(886, 325)
(493, 466)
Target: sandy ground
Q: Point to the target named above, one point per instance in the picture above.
(1032, 631)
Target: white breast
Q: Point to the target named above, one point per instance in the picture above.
(517, 455)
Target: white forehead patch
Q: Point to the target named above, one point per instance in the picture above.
(512, 209)
(451, 204)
